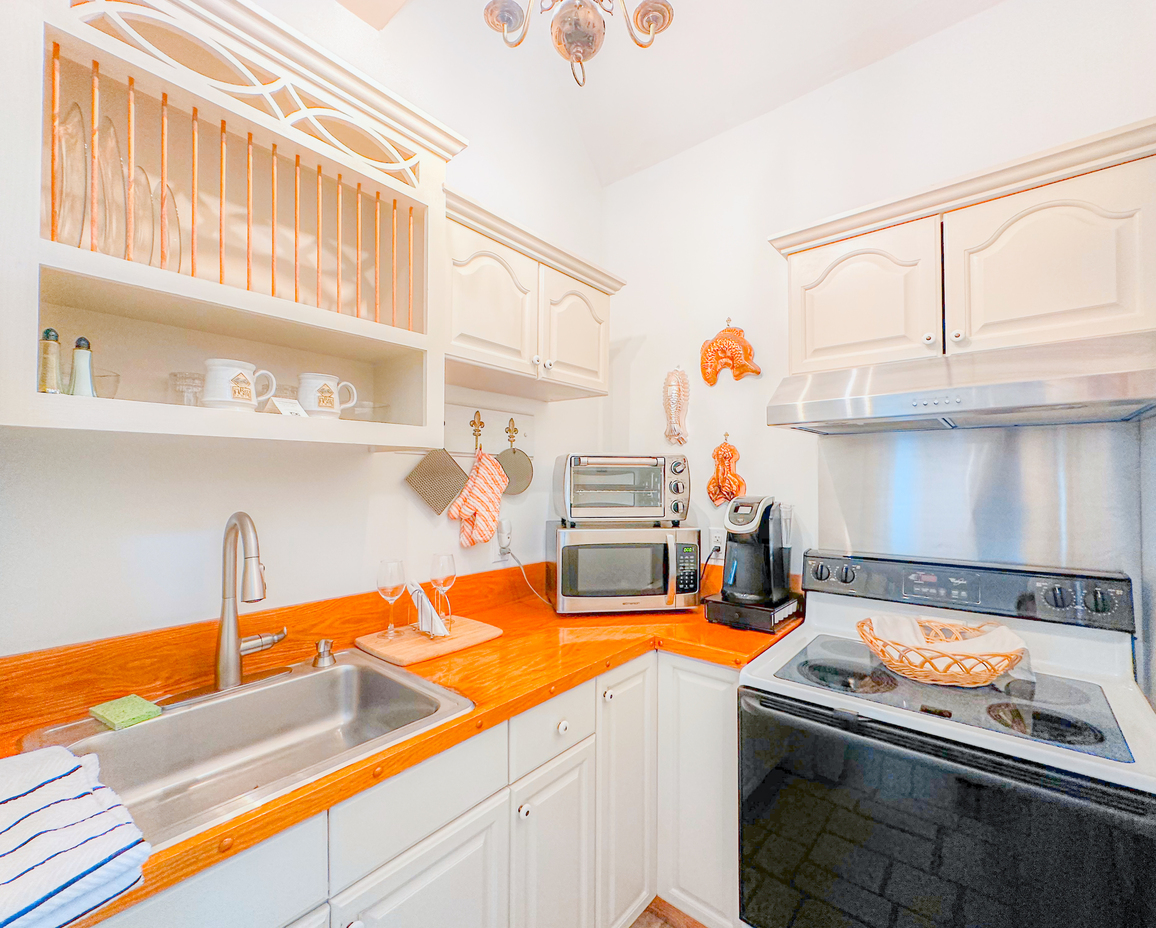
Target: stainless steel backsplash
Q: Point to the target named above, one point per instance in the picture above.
(1063, 496)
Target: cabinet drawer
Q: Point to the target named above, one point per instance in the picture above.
(377, 825)
(266, 886)
(459, 876)
(318, 918)
(544, 732)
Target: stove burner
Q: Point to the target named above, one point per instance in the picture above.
(1058, 693)
(1044, 726)
(848, 679)
(855, 649)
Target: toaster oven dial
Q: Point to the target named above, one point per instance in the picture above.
(678, 507)
(677, 487)
(677, 467)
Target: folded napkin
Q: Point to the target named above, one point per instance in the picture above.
(67, 843)
(905, 630)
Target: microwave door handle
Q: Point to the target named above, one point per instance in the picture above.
(672, 570)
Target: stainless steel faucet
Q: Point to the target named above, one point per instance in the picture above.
(230, 646)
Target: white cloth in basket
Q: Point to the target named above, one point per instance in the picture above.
(905, 630)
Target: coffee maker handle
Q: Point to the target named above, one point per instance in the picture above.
(672, 570)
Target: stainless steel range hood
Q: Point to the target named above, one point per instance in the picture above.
(1108, 379)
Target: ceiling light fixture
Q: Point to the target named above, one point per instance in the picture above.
(578, 27)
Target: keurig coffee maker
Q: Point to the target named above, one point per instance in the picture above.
(755, 589)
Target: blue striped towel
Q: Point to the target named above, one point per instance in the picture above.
(67, 843)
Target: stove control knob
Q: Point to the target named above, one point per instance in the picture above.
(677, 487)
(1098, 600)
(677, 467)
(1058, 597)
(821, 571)
(846, 574)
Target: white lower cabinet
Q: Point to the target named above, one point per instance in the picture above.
(318, 918)
(552, 843)
(459, 877)
(268, 886)
(627, 724)
(698, 814)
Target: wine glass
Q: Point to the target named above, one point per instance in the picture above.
(391, 584)
(443, 573)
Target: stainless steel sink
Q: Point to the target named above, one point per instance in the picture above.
(205, 761)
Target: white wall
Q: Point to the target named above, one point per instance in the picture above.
(690, 234)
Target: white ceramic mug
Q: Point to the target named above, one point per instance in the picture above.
(233, 385)
(319, 394)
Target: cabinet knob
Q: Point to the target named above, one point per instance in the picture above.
(524, 810)
(536, 360)
(608, 695)
(957, 335)
(548, 364)
(563, 727)
(928, 338)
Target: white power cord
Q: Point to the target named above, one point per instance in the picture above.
(506, 551)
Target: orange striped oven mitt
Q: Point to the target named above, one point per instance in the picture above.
(478, 504)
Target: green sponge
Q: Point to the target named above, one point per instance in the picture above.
(126, 711)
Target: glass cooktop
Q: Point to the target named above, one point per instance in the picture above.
(1062, 712)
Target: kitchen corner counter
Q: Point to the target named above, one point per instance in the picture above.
(538, 655)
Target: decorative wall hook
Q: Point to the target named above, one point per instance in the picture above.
(725, 484)
(478, 425)
(727, 349)
(675, 399)
(512, 432)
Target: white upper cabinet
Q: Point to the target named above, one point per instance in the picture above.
(493, 301)
(1073, 259)
(867, 300)
(527, 318)
(575, 332)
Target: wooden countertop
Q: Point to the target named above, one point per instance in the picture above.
(538, 655)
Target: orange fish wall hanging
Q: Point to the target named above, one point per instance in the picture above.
(727, 349)
(675, 398)
(725, 484)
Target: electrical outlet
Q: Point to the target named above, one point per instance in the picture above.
(502, 540)
(717, 537)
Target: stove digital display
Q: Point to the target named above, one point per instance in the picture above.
(938, 587)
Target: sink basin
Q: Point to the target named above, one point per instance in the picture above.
(205, 761)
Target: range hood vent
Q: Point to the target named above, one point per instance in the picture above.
(1108, 379)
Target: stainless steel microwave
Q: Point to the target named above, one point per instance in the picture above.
(618, 488)
(622, 568)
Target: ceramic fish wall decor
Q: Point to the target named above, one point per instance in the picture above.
(675, 398)
(728, 349)
(725, 484)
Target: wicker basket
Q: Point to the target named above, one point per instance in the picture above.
(928, 665)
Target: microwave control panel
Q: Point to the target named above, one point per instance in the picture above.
(687, 568)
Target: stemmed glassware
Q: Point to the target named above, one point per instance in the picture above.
(391, 584)
(443, 573)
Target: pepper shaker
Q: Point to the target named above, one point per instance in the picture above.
(49, 381)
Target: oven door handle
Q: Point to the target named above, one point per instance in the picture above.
(671, 569)
(612, 461)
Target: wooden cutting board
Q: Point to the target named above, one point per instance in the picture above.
(410, 646)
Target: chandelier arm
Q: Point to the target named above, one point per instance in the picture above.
(626, 17)
(522, 37)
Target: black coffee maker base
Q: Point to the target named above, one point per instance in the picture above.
(754, 618)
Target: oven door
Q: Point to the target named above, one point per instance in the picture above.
(616, 488)
(847, 821)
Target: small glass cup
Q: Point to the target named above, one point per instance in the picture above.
(186, 387)
(391, 584)
(442, 574)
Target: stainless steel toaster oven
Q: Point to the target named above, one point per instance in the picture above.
(617, 488)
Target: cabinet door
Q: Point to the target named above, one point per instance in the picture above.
(493, 302)
(698, 809)
(870, 299)
(575, 327)
(552, 843)
(458, 876)
(1070, 260)
(626, 748)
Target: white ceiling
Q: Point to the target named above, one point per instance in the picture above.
(721, 63)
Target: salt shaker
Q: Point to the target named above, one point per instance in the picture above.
(49, 381)
(82, 383)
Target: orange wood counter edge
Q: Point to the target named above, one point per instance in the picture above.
(178, 862)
